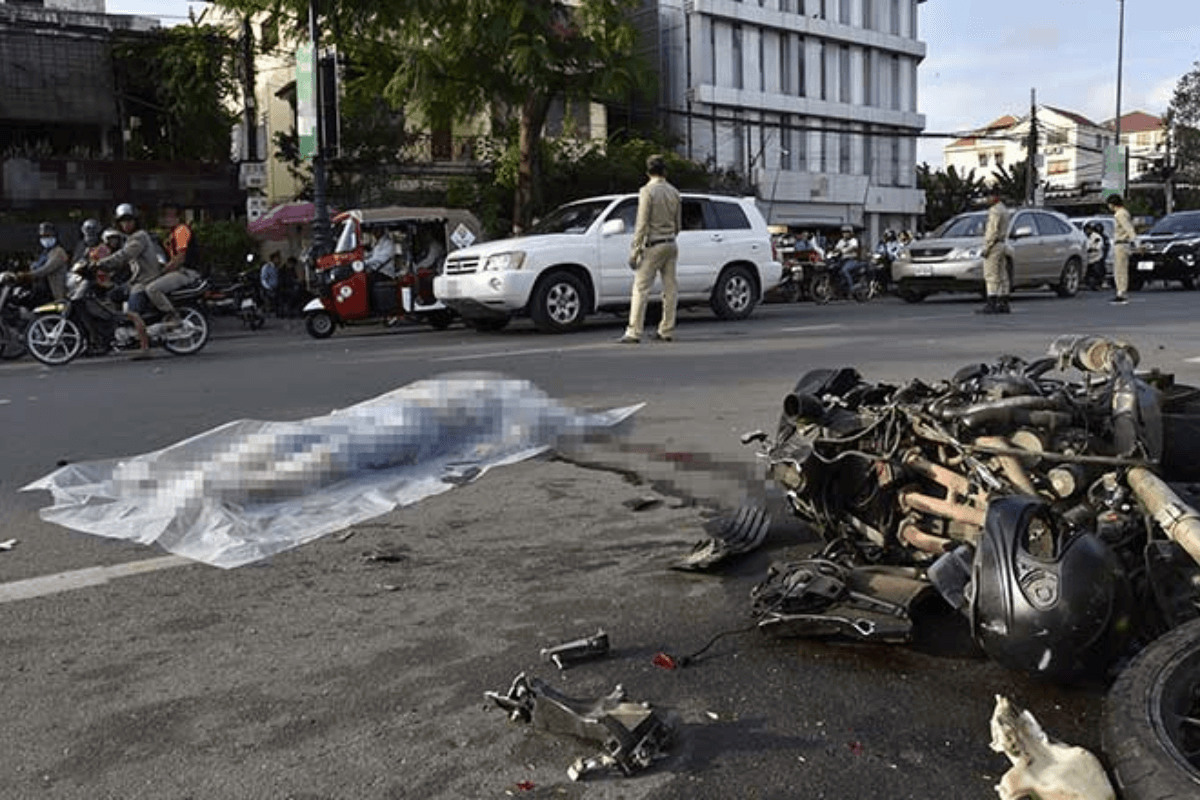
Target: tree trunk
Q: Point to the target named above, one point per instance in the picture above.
(529, 167)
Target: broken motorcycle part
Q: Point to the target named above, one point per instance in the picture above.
(820, 597)
(567, 653)
(732, 534)
(632, 734)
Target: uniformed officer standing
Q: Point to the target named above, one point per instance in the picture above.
(654, 252)
(995, 276)
(1123, 236)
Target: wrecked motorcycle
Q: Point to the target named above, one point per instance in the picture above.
(1056, 515)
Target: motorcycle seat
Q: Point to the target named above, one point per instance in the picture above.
(192, 291)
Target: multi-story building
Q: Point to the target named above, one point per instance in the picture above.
(1070, 146)
(815, 101)
(1145, 140)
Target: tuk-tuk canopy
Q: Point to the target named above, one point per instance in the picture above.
(387, 215)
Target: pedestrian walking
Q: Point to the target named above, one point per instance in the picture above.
(995, 276)
(1123, 236)
(654, 251)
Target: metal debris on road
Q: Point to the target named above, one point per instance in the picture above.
(584, 649)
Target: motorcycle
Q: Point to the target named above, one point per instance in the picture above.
(829, 282)
(795, 282)
(89, 320)
(14, 317)
(1055, 516)
(242, 298)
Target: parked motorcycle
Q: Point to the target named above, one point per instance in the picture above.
(795, 282)
(241, 298)
(1055, 515)
(15, 316)
(89, 320)
(829, 282)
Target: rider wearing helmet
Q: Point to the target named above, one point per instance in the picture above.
(89, 237)
(139, 253)
(847, 250)
(51, 264)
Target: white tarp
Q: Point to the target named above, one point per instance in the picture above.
(250, 488)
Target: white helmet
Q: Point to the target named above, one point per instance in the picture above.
(125, 211)
(111, 233)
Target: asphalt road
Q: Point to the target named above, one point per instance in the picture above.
(330, 672)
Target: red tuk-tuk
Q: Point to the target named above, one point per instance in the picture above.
(383, 266)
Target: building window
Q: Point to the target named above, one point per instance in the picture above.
(896, 83)
(983, 159)
(868, 14)
(785, 63)
(824, 9)
(868, 82)
(894, 18)
(800, 147)
(801, 60)
(737, 57)
(844, 12)
(998, 158)
(844, 73)
(894, 161)
(912, 18)
(785, 142)
(844, 153)
(824, 71)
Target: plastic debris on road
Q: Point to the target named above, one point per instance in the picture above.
(249, 489)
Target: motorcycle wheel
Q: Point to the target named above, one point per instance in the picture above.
(191, 336)
(440, 320)
(822, 289)
(54, 340)
(319, 325)
(862, 291)
(1151, 729)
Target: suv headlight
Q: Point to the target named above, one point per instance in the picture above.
(965, 253)
(499, 262)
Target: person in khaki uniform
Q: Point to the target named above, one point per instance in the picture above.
(995, 276)
(1123, 236)
(654, 252)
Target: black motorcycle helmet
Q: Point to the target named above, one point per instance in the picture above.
(90, 231)
(1045, 603)
(46, 229)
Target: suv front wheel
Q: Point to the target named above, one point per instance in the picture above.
(734, 297)
(558, 303)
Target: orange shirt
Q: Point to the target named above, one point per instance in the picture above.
(177, 240)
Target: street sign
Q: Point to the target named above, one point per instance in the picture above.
(1113, 181)
(306, 99)
(462, 236)
(255, 208)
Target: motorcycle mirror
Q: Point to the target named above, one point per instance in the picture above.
(754, 436)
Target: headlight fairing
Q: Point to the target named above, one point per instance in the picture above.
(965, 253)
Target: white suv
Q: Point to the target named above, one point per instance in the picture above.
(575, 262)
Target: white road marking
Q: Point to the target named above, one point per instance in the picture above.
(533, 351)
(1195, 360)
(805, 328)
(78, 579)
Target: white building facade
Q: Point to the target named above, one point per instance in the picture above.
(814, 100)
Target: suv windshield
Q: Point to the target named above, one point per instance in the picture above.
(1177, 223)
(965, 227)
(573, 218)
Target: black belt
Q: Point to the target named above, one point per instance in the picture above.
(654, 242)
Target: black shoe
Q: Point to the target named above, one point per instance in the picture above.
(989, 307)
(658, 337)
(1002, 305)
(1119, 300)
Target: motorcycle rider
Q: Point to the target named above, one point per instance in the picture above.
(51, 264)
(846, 249)
(888, 250)
(174, 275)
(89, 233)
(1097, 252)
(139, 253)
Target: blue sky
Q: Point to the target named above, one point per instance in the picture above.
(985, 57)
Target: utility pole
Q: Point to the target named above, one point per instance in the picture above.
(1031, 149)
(321, 228)
(249, 110)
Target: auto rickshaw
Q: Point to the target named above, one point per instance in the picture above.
(383, 265)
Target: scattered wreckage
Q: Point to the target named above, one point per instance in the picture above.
(1056, 515)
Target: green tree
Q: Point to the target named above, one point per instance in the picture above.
(946, 193)
(447, 61)
(1013, 181)
(177, 83)
(1183, 121)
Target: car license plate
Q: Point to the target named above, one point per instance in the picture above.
(923, 271)
(1145, 266)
